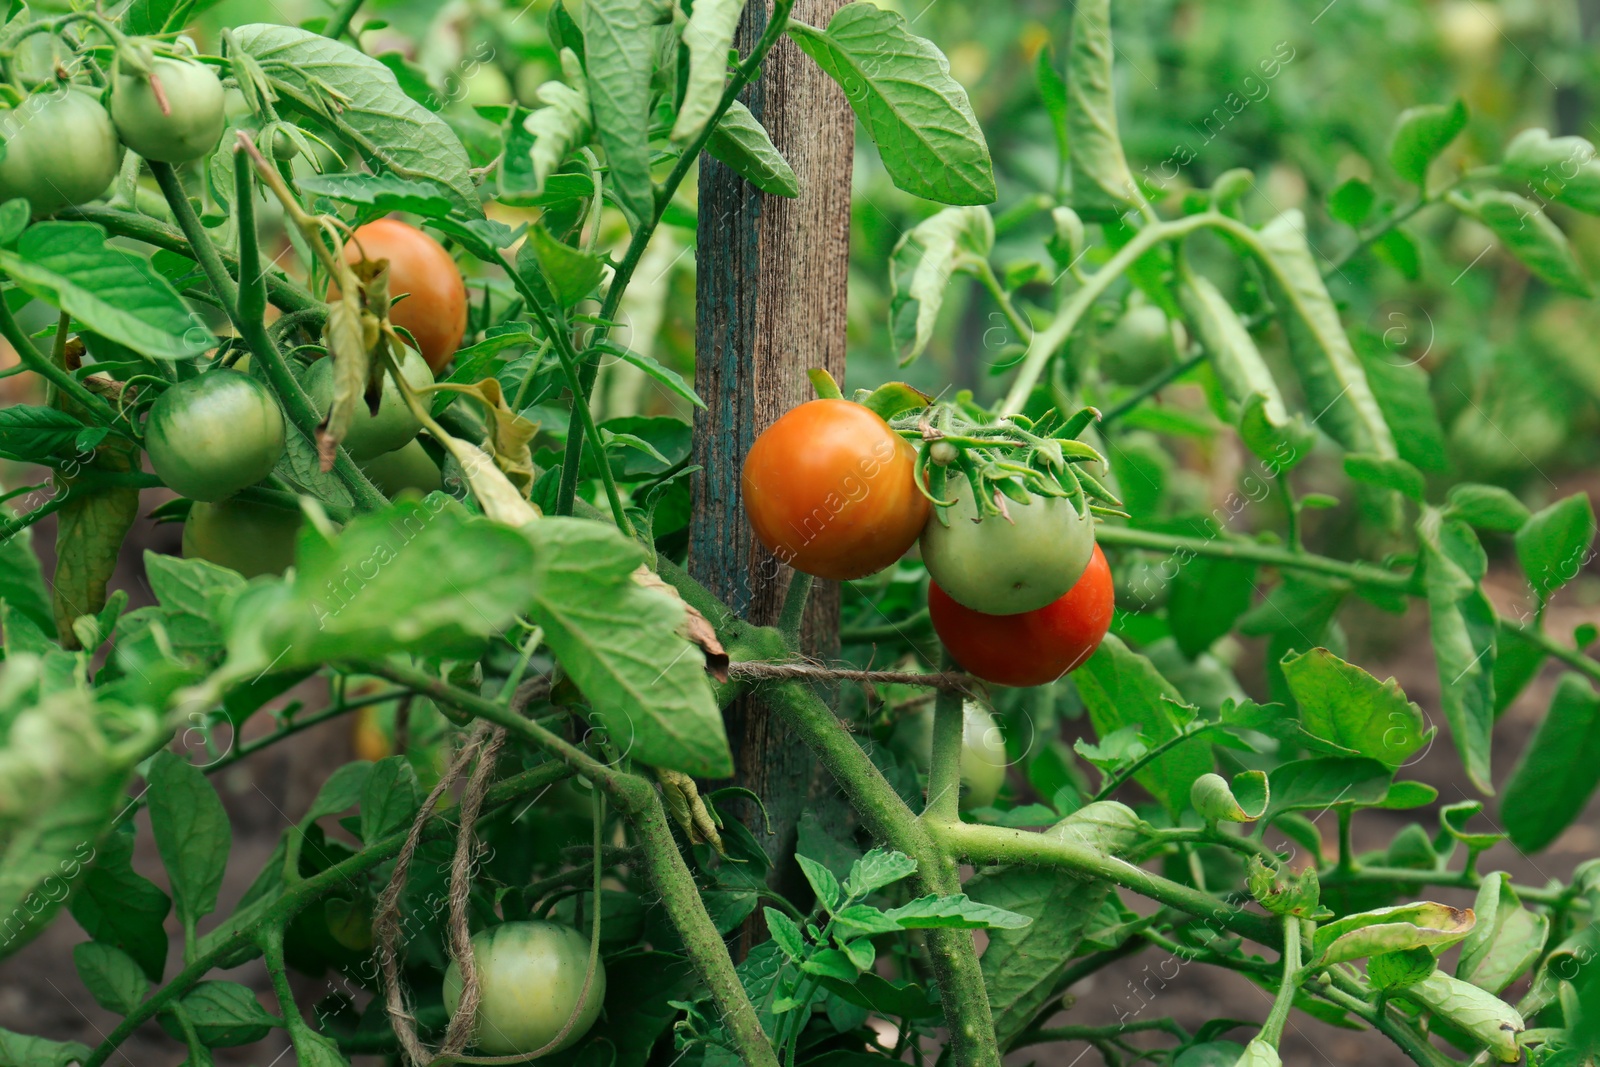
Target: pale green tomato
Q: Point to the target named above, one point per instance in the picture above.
(983, 751)
(1004, 568)
(531, 976)
(191, 125)
(1139, 346)
(407, 467)
(394, 424)
(253, 539)
(60, 149)
(211, 436)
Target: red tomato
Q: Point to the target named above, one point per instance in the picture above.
(435, 307)
(830, 489)
(1032, 647)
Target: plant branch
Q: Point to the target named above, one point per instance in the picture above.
(340, 22)
(944, 773)
(54, 373)
(1151, 387)
(1233, 548)
(793, 614)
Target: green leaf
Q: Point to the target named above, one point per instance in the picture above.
(1335, 383)
(1553, 545)
(742, 143)
(822, 881)
(1390, 971)
(1121, 688)
(831, 963)
(920, 269)
(1506, 940)
(1482, 1015)
(1406, 926)
(1237, 361)
(1053, 94)
(375, 114)
(877, 869)
(893, 399)
(189, 585)
(479, 580)
(1555, 777)
(1462, 622)
(111, 976)
(899, 86)
(192, 834)
(30, 434)
(786, 934)
(1351, 202)
(1402, 391)
(1244, 800)
(1205, 599)
(1556, 168)
(1420, 134)
(1516, 662)
(1325, 782)
(1100, 174)
(22, 585)
(118, 906)
(343, 790)
(666, 376)
(537, 146)
(618, 642)
(955, 912)
(224, 1014)
(866, 920)
(1528, 233)
(90, 529)
(113, 291)
(24, 1050)
(708, 35)
(1456, 820)
(570, 273)
(1488, 507)
(380, 193)
(619, 40)
(1345, 705)
(1387, 473)
(389, 798)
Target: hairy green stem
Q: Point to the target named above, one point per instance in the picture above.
(1272, 1030)
(1407, 1039)
(985, 274)
(1093, 1033)
(777, 22)
(1232, 548)
(944, 773)
(998, 844)
(793, 614)
(51, 371)
(340, 22)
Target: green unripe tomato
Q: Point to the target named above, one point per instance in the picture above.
(394, 424)
(407, 467)
(531, 976)
(1004, 568)
(253, 539)
(60, 149)
(983, 751)
(211, 436)
(192, 122)
(1139, 346)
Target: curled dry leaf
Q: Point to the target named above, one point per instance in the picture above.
(698, 822)
(695, 627)
(509, 433)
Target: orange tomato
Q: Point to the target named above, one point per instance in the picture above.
(434, 310)
(830, 490)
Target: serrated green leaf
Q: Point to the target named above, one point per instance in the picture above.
(822, 882)
(570, 273)
(899, 86)
(389, 798)
(1100, 174)
(30, 433)
(877, 869)
(1348, 707)
(955, 912)
(537, 146)
(381, 193)
(192, 834)
(786, 934)
(619, 40)
(189, 585)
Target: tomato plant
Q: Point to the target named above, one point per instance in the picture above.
(215, 434)
(37, 169)
(1028, 647)
(533, 978)
(829, 489)
(1230, 368)
(171, 112)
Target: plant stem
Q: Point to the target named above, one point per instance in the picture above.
(287, 906)
(793, 615)
(1088, 1033)
(54, 373)
(777, 21)
(1408, 1040)
(985, 274)
(944, 773)
(1151, 387)
(998, 844)
(1045, 343)
(1118, 780)
(1272, 1031)
(917, 622)
(1347, 852)
(1234, 548)
(294, 400)
(341, 19)
(1445, 879)
(13, 526)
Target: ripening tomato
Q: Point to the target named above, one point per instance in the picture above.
(183, 122)
(531, 976)
(1001, 566)
(831, 490)
(1031, 647)
(211, 436)
(434, 310)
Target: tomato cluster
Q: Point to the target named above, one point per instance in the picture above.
(1018, 599)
